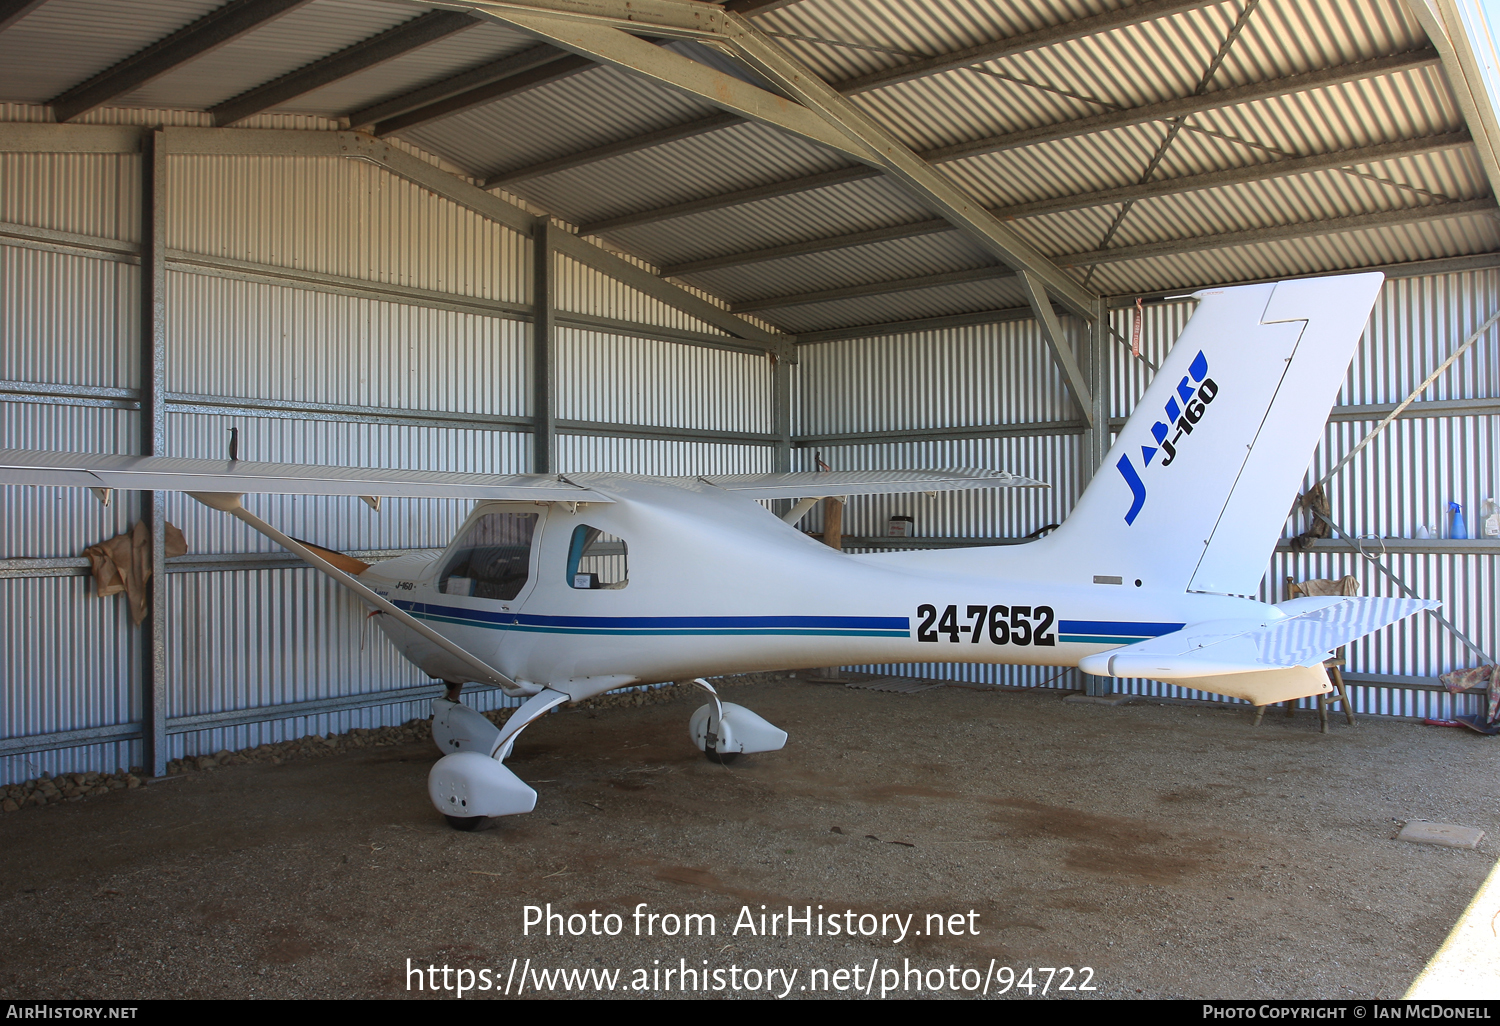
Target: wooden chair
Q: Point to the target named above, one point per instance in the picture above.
(1334, 665)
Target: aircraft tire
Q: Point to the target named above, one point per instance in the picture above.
(722, 758)
(464, 823)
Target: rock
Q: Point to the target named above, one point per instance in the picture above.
(37, 798)
(221, 755)
(205, 762)
(1448, 835)
(116, 785)
(132, 781)
(9, 805)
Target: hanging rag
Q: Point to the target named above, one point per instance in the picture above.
(1315, 502)
(124, 564)
(1346, 585)
(1487, 722)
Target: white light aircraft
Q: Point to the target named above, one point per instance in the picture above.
(562, 587)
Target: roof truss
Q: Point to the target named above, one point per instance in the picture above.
(602, 30)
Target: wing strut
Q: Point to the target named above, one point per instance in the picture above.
(229, 502)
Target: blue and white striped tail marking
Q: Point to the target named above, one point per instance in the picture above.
(818, 626)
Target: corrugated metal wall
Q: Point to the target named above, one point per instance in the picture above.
(312, 366)
(967, 379)
(325, 367)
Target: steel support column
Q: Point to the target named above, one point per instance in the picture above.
(781, 412)
(153, 393)
(1099, 437)
(543, 351)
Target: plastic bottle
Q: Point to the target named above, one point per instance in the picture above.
(1489, 512)
(1460, 529)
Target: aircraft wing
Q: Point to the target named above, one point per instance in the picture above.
(1261, 661)
(167, 473)
(814, 484)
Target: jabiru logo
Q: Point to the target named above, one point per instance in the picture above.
(1195, 391)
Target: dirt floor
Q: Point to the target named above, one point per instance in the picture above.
(1175, 851)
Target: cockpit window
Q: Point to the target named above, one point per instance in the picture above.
(596, 560)
(494, 558)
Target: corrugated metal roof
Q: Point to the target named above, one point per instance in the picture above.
(65, 42)
(487, 41)
(597, 106)
(970, 297)
(1059, 80)
(836, 210)
(710, 164)
(284, 45)
(884, 261)
(1336, 252)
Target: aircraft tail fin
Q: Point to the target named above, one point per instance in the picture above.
(1198, 484)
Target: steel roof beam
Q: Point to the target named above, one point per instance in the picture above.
(404, 38)
(454, 85)
(560, 67)
(822, 180)
(12, 11)
(1182, 106)
(756, 6)
(1109, 121)
(1058, 344)
(1173, 247)
(1123, 17)
(854, 331)
(1082, 201)
(203, 36)
(659, 137)
(1283, 232)
(879, 288)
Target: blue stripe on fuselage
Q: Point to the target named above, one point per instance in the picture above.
(845, 626)
(1096, 632)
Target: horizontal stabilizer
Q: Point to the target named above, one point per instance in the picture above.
(815, 484)
(1305, 638)
(1263, 687)
(166, 473)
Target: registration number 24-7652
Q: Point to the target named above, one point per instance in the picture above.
(1004, 625)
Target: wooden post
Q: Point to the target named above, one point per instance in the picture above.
(833, 523)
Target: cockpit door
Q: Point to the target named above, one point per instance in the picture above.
(494, 558)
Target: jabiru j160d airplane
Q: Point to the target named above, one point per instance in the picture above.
(562, 587)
